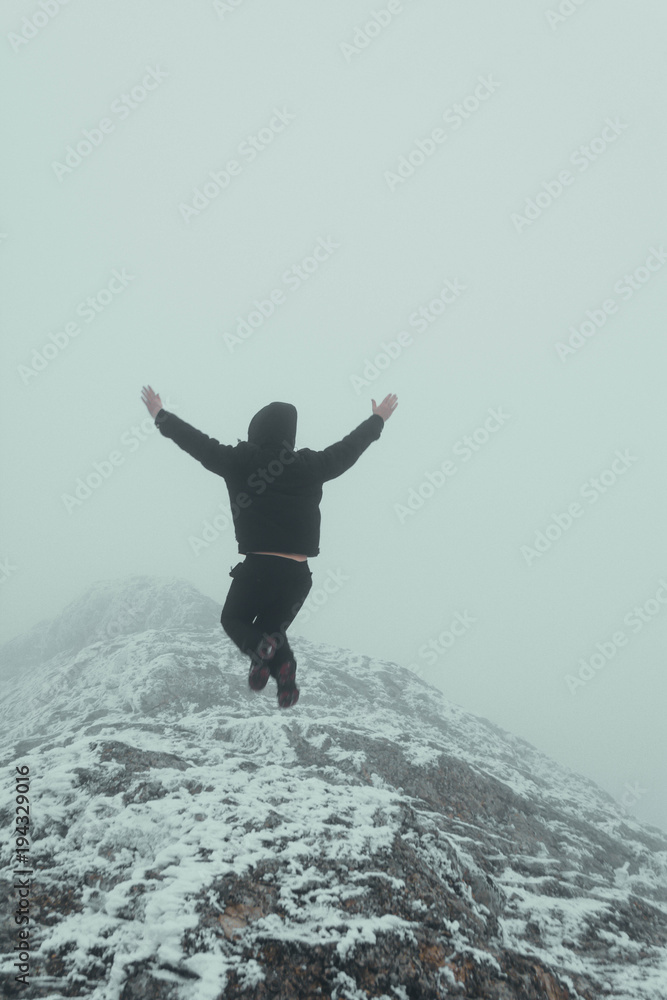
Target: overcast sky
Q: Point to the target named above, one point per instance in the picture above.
(462, 203)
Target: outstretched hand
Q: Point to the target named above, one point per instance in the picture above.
(387, 406)
(152, 401)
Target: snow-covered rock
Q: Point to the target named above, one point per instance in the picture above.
(188, 839)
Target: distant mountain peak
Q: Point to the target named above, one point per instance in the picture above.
(109, 608)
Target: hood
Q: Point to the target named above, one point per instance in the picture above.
(274, 424)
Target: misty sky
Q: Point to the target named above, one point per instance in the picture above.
(471, 192)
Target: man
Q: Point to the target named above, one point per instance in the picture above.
(275, 494)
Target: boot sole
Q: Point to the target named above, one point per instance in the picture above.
(258, 678)
(288, 692)
(288, 698)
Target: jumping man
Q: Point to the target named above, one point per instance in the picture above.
(275, 493)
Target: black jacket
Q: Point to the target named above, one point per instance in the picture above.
(274, 491)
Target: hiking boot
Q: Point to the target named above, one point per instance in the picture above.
(288, 692)
(259, 670)
(258, 676)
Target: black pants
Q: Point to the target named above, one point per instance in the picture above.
(264, 599)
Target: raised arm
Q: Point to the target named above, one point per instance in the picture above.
(210, 453)
(341, 456)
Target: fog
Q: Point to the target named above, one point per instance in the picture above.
(462, 203)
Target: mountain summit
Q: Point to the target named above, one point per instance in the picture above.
(190, 841)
